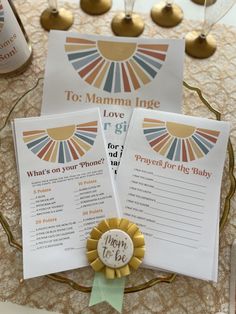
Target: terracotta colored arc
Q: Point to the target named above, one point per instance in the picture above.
(163, 145)
(184, 152)
(159, 139)
(32, 137)
(153, 54)
(49, 153)
(27, 133)
(45, 148)
(125, 79)
(87, 129)
(94, 73)
(210, 138)
(79, 40)
(211, 132)
(154, 47)
(92, 123)
(88, 68)
(79, 150)
(133, 76)
(73, 152)
(1, 7)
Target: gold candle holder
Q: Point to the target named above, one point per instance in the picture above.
(95, 7)
(54, 18)
(127, 23)
(202, 2)
(167, 14)
(123, 25)
(200, 46)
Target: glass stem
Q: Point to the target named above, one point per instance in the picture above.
(53, 5)
(169, 3)
(206, 27)
(129, 6)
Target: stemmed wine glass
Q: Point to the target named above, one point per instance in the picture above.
(127, 23)
(202, 44)
(167, 13)
(54, 18)
(95, 7)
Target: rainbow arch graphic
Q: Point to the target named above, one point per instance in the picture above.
(115, 67)
(179, 142)
(1, 16)
(62, 144)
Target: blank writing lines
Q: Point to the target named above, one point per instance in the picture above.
(174, 220)
(180, 194)
(170, 209)
(177, 200)
(181, 181)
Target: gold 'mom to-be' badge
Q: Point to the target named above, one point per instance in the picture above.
(115, 246)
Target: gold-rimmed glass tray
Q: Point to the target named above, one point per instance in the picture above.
(81, 279)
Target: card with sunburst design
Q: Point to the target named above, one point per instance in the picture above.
(169, 183)
(66, 188)
(114, 74)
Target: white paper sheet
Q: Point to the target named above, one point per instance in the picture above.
(115, 74)
(66, 188)
(169, 183)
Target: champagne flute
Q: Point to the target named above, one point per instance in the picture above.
(95, 7)
(166, 14)
(202, 44)
(54, 18)
(127, 23)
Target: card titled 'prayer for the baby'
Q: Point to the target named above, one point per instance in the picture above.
(169, 183)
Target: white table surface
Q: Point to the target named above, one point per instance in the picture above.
(191, 11)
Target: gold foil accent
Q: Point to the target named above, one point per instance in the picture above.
(92, 244)
(110, 272)
(96, 234)
(97, 264)
(135, 262)
(92, 255)
(132, 230)
(121, 224)
(150, 283)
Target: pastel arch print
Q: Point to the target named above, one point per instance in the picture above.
(115, 67)
(179, 142)
(1, 16)
(61, 144)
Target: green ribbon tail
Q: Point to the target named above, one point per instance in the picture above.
(109, 290)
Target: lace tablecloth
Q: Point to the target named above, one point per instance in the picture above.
(216, 78)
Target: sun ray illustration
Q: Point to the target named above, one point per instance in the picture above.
(115, 67)
(179, 142)
(61, 144)
(1, 16)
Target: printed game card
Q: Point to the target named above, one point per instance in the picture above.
(115, 74)
(66, 188)
(169, 183)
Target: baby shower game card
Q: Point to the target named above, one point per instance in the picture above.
(169, 182)
(66, 188)
(115, 74)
